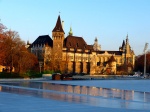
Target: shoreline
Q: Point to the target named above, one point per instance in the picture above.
(78, 78)
(106, 77)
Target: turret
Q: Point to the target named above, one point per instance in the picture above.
(127, 45)
(96, 46)
(122, 48)
(70, 32)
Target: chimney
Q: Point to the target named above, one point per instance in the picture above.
(62, 24)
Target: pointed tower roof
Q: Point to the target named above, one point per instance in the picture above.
(58, 26)
(123, 43)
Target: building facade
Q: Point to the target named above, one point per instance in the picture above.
(71, 54)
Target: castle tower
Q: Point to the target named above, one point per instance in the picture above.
(58, 35)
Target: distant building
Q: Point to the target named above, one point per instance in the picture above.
(72, 54)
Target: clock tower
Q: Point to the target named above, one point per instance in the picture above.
(58, 39)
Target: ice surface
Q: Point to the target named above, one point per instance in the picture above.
(136, 85)
(75, 96)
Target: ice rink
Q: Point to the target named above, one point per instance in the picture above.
(75, 96)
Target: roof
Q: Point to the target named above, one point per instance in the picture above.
(41, 40)
(110, 52)
(58, 26)
(90, 47)
(123, 43)
(75, 42)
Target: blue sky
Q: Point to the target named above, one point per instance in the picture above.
(108, 20)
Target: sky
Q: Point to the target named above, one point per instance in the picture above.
(108, 20)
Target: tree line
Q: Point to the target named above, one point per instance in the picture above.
(14, 56)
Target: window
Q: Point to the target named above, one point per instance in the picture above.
(77, 45)
(98, 63)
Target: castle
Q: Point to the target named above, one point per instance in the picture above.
(72, 54)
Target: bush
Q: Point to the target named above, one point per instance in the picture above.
(33, 74)
(28, 74)
(48, 72)
(12, 75)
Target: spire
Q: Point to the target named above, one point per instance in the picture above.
(70, 32)
(127, 35)
(127, 40)
(58, 26)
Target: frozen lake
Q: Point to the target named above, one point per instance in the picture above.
(83, 95)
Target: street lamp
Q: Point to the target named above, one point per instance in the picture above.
(145, 48)
(40, 65)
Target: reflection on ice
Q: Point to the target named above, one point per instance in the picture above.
(96, 96)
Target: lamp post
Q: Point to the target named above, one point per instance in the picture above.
(40, 65)
(145, 48)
